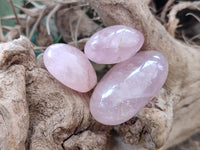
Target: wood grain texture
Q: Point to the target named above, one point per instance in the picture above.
(184, 68)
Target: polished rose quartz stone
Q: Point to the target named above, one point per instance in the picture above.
(70, 66)
(128, 87)
(113, 44)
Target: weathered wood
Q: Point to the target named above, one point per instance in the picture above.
(183, 81)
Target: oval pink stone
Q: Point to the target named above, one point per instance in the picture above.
(70, 66)
(113, 44)
(128, 87)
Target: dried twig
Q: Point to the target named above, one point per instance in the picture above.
(39, 47)
(36, 24)
(193, 15)
(7, 28)
(76, 30)
(33, 12)
(165, 9)
(190, 41)
(185, 39)
(64, 10)
(61, 1)
(11, 17)
(173, 21)
(53, 11)
(34, 4)
(195, 37)
(71, 29)
(2, 38)
(28, 25)
(15, 13)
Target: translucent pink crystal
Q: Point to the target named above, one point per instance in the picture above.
(113, 44)
(128, 87)
(70, 66)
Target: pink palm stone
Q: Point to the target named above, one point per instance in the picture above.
(70, 66)
(113, 44)
(128, 87)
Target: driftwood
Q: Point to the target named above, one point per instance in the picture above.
(58, 118)
(37, 112)
(183, 80)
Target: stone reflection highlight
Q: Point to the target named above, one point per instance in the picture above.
(70, 66)
(113, 44)
(128, 87)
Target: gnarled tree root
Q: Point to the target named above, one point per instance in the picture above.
(14, 116)
(59, 117)
(183, 80)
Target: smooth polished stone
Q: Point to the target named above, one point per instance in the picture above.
(113, 44)
(70, 66)
(128, 87)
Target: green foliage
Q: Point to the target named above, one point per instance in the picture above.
(6, 10)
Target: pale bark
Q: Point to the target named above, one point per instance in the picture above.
(58, 117)
(183, 81)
